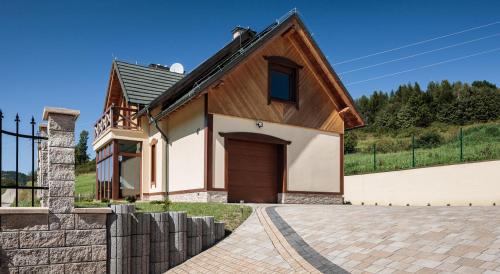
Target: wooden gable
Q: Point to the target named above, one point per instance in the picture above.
(114, 94)
(243, 91)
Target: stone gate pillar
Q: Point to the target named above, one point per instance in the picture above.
(43, 167)
(60, 158)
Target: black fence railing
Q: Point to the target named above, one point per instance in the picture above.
(34, 138)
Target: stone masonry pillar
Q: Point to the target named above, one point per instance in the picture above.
(43, 167)
(60, 158)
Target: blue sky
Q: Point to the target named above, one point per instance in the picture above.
(59, 53)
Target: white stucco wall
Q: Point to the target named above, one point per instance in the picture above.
(180, 164)
(476, 183)
(161, 167)
(185, 153)
(313, 157)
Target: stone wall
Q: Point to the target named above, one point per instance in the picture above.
(201, 196)
(156, 242)
(43, 243)
(309, 198)
(283, 198)
(54, 238)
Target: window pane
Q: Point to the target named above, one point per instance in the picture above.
(280, 85)
(110, 175)
(130, 146)
(130, 176)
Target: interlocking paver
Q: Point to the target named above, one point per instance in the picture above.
(362, 239)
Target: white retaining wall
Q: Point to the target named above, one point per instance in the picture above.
(475, 183)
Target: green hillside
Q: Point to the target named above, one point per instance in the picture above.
(435, 145)
(430, 121)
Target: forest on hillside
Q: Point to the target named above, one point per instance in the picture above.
(410, 106)
(409, 127)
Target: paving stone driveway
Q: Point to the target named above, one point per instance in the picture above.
(358, 239)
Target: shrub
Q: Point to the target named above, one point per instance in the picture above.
(386, 145)
(156, 202)
(428, 140)
(88, 167)
(492, 131)
(166, 204)
(106, 201)
(131, 199)
(350, 142)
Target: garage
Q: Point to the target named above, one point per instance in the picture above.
(252, 171)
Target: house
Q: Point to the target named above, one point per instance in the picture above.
(262, 120)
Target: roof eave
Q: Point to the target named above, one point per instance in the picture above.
(352, 104)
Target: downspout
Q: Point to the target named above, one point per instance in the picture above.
(155, 122)
(164, 137)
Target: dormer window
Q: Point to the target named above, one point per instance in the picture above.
(283, 78)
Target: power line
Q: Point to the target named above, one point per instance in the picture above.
(421, 53)
(424, 67)
(416, 43)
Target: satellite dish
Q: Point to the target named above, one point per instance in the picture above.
(177, 67)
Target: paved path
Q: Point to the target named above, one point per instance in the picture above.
(358, 239)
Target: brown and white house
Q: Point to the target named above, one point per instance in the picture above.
(262, 120)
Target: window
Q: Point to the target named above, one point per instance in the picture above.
(283, 78)
(153, 163)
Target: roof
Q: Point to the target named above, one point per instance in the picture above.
(141, 84)
(195, 83)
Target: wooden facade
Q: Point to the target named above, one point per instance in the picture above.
(243, 92)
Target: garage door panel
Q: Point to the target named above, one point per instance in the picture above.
(251, 148)
(253, 180)
(253, 165)
(252, 171)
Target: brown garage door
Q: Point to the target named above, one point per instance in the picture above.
(252, 171)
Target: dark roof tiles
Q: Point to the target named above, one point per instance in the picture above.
(143, 84)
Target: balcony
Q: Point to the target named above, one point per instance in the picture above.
(116, 117)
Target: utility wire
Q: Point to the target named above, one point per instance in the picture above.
(424, 67)
(416, 43)
(421, 53)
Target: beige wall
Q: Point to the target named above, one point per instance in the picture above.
(476, 183)
(161, 178)
(313, 157)
(180, 165)
(185, 153)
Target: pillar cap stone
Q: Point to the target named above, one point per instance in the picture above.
(63, 111)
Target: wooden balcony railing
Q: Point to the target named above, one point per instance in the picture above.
(116, 117)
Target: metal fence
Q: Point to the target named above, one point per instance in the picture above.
(467, 144)
(34, 138)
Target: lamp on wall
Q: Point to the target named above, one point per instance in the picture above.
(260, 124)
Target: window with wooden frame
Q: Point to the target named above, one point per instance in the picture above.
(283, 80)
(153, 162)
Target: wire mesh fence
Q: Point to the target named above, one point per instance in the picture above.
(467, 144)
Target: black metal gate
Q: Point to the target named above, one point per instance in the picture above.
(34, 138)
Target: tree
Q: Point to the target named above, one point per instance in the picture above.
(81, 156)
(350, 142)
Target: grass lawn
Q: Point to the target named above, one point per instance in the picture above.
(232, 215)
(85, 183)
